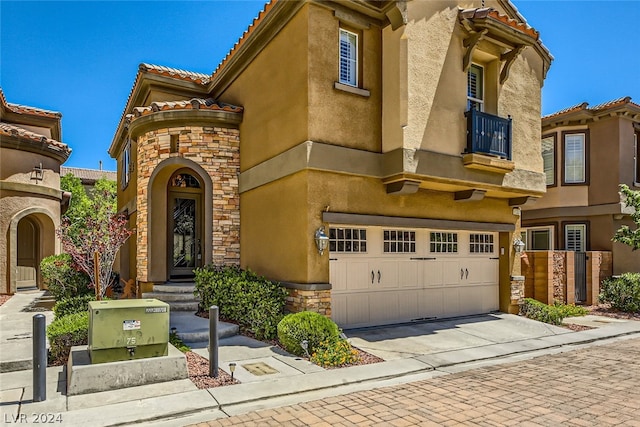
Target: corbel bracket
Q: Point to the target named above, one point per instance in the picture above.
(470, 43)
(509, 58)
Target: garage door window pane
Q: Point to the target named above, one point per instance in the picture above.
(481, 243)
(398, 241)
(347, 240)
(443, 242)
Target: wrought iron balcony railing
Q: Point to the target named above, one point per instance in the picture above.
(488, 134)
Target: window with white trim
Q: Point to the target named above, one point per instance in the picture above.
(575, 237)
(475, 88)
(538, 238)
(480, 243)
(125, 164)
(348, 58)
(549, 159)
(347, 240)
(440, 242)
(575, 169)
(399, 241)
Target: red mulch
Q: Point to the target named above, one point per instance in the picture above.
(4, 298)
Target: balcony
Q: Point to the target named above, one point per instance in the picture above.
(488, 142)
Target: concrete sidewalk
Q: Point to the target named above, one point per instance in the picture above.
(412, 352)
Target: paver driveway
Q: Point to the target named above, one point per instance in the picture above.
(594, 386)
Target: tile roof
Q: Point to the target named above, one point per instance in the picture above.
(25, 109)
(175, 73)
(14, 130)
(626, 100)
(256, 21)
(193, 104)
(88, 174)
(488, 12)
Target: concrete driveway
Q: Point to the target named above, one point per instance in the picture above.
(467, 334)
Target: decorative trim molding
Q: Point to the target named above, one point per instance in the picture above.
(21, 187)
(307, 286)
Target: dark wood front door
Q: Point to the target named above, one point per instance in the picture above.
(184, 239)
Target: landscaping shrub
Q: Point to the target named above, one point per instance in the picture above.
(334, 353)
(177, 342)
(308, 326)
(62, 279)
(622, 292)
(242, 296)
(65, 332)
(552, 314)
(71, 305)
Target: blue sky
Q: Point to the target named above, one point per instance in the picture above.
(81, 58)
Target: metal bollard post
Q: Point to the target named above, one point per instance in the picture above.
(213, 341)
(39, 358)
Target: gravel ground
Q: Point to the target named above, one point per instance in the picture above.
(198, 367)
(4, 298)
(606, 310)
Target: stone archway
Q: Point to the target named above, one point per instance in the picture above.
(37, 224)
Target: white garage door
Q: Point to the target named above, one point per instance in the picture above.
(389, 275)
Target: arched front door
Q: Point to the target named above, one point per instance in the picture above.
(28, 254)
(184, 213)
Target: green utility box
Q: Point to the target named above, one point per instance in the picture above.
(128, 329)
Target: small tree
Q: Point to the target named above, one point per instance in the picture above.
(91, 227)
(625, 234)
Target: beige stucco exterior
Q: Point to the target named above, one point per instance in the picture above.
(390, 147)
(610, 131)
(30, 195)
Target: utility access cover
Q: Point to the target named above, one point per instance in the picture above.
(259, 369)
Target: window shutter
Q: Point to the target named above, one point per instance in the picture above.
(575, 237)
(348, 58)
(548, 159)
(574, 158)
(475, 95)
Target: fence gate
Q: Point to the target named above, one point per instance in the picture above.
(581, 276)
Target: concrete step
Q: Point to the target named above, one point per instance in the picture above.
(194, 330)
(183, 306)
(173, 287)
(173, 297)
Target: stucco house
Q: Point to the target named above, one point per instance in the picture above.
(405, 133)
(88, 177)
(587, 152)
(31, 201)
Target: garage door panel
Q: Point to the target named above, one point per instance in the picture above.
(384, 307)
(432, 273)
(358, 275)
(484, 271)
(490, 298)
(409, 304)
(339, 307)
(471, 299)
(358, 309)
(408, 274)
(386, 274)
(432, 303)
(338, 275)
(451, 272)
(451, 305)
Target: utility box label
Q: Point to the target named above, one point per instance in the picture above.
(155, 310)
(130, 325)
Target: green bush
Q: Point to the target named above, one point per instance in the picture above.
(177, 342)
(70, 305)
(242, 296)
(334, 353)
(552, 314)
(622, 292)
(62, 279)
(65, 332)
(308, 326)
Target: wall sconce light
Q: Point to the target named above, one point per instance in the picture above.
(518, 245)
(322, 241)
(37, 173)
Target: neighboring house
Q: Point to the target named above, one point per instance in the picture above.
(88, 177)
(588, 152)
(408, 130)
(30, 197)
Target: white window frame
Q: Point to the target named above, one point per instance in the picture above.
(549, 160)
(528, 236)
(126, 165)
(570, 178)
(471, 100)
(582, 228)
(348, 60)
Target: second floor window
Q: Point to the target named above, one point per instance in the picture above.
(475, 88)
(575, 165)
(348, 58)
(636, 147)
(125, 164)
(549, 159)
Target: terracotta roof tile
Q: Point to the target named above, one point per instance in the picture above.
(13, 130)
(488, 12)
(256, 21)
(193, 104)
(175, 73)
(88, 174)
(597, 108)
(25, 109)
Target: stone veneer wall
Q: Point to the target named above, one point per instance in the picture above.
(309, 300)
(217, 150)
